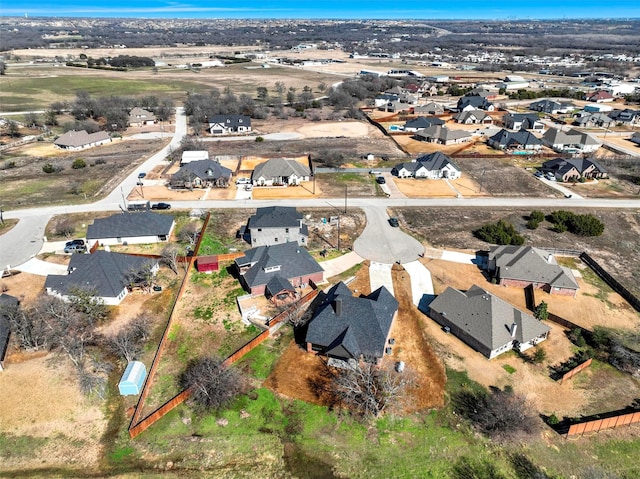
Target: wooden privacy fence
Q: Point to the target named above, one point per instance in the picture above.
(137, 426)
(576, 370)
(605, 423)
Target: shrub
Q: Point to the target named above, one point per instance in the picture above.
(502, 233)
(532, 224)
(537, 216)
(539, 355)
(78, 164)
(581, 225)
(259, 139)
(48, 168)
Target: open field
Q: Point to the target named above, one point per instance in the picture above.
(422, 188)
(617, 249)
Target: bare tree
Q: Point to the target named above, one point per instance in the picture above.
(296, 314)
(141, 277)
(190, 233)
(212, 384)
(169, 256)
(27, 326)
(128, 342)
(64, 227)
(368, 390)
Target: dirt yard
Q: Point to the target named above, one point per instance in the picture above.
(420, 188)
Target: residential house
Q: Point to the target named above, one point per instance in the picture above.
(572, 141)
(485, 322)
(201, 174)
(130, 228)
(474, 103)
(473, 117)
(523, 266)
(636, 138)
(280, 172)
(522, 121)
(442, 135)
(422, 122)
(226, 124)
(275, 224)
(79, 140)
(430, 108)
(599, 96)
(433, 166)
(189, 156)
(7, 304)
(141, 117)
(593, 119)
(625, 117)
(288, 261)
(568, 169)
(515, 140)
(551, 107)
(106, 274)
(382, 100)
(348, 329)
(396, 106)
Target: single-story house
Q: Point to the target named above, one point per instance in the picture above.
(396, 106)
(514, 140)
(287, 260)
(141, 117)
(522, 121)
(226, 124)
(381, 100)
(421, 122)
(131, 228)
(280, 172)
(79, 140)
(572, 141)
(625, 117)
(593, 119)
(552, 107)
(103, 272)
(522, 266)
(474, 102)
(207, 264)
(430, 108)
(485, 322)
(473, 117)
(636, 138)
(276, 224)
(442, 135)
(433, 166)
(7, 302)
(201, 174)
(189, 156)
(348, 328)
(567, 169)
(599, 96)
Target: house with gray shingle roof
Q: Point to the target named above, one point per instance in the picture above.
(572, 169)
(8, 304)
(201, 174)
(572, 141)
(430, 108)
(485, 322)
(442, 135)
(522, 121)
(421, 122)
(473, 117)
(522, 266)
(289, 261)
(474, 102)
(103, 272)
(141, 117)
(551, 106)
(280, 172)
(636, 138)
(131, 228)
(276, 224)
(514, 140)
(79, 140)
(432, 166)
(345, 327)
(226, 124)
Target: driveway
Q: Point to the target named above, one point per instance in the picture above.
(380, 275)
(42, 268)
(340, 264)
(562, 189)
(382, 243)
(421, 282)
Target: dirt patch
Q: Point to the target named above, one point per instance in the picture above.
(421, 188)
(24, 286)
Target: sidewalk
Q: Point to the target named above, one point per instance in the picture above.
(339, 265)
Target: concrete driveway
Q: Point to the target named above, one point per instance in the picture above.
(421, 282)
(380, 275)
(382, 243)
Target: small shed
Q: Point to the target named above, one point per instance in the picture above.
(207, 264)
(132, 379)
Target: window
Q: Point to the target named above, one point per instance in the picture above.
(275, 240)
(286, 230)
(119, 240)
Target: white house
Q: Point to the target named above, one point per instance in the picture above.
(434, 166)
(131, 228)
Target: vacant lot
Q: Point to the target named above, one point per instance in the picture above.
(617, 249)
(422, 188)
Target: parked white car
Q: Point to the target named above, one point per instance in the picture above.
(243, 181)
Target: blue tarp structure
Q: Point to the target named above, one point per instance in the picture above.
(132, 379)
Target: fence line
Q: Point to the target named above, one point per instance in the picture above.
(611, 281)
(576, 370)
(606, 423)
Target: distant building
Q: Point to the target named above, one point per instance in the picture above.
(226, 124)
(79, 140)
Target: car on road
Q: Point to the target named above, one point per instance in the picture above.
(538, 174)
(75, 248)
(243, 181)
(380, 180)
(75, 242)
(161, 206)
(141, 175)
(393, 221)
(375, 172)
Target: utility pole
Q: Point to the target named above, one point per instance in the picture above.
(345, 199)
(338, 232)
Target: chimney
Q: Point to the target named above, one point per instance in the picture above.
(337, 306)
(514, 328)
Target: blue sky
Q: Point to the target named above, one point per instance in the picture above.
(358, 9)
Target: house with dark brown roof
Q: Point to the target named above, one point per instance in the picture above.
(573, 169)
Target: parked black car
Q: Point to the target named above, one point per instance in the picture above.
(380, 180)
(161, 206)
(75, 242)
(393, 221)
